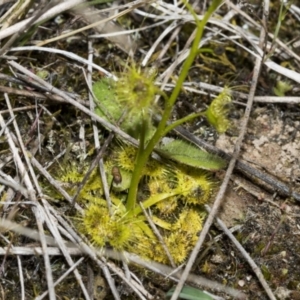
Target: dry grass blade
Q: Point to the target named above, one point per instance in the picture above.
(65, 53)
(160, 238)
(75, 103)
(200, 87)
(103, 24)
(95, 129)
(100, 262)
(123, 40)
(54, 11)
(40, 217)
(22, 10)
(230, 168)
(14, 13)
(58, 238)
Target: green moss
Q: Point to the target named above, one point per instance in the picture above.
(266, 272)
(259, 247)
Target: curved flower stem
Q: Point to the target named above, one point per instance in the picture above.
(161, 129)
(183, 120)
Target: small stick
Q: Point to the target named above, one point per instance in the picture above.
(271, 240)
(277, 185)
(93, 166)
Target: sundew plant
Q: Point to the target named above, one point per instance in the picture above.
(174, 192)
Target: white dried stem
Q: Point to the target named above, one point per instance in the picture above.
(58, 9)
(95, 131)
(37, 210)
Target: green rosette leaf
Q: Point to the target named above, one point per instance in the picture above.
(190, 293)
(189, 155)
(110, 108)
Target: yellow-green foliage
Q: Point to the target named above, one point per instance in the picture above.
(281, 88)
(135, 90)
(156, 187)
(194, 186)
(173, 194)
(167, 206)
(217, 112)
(180, 240)
(130, 101)
(105, 229)
(71, 174)
(133, 94)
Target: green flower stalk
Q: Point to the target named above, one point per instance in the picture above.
(135, 93)
(145, 152)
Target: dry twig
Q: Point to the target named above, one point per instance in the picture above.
(230, 168)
